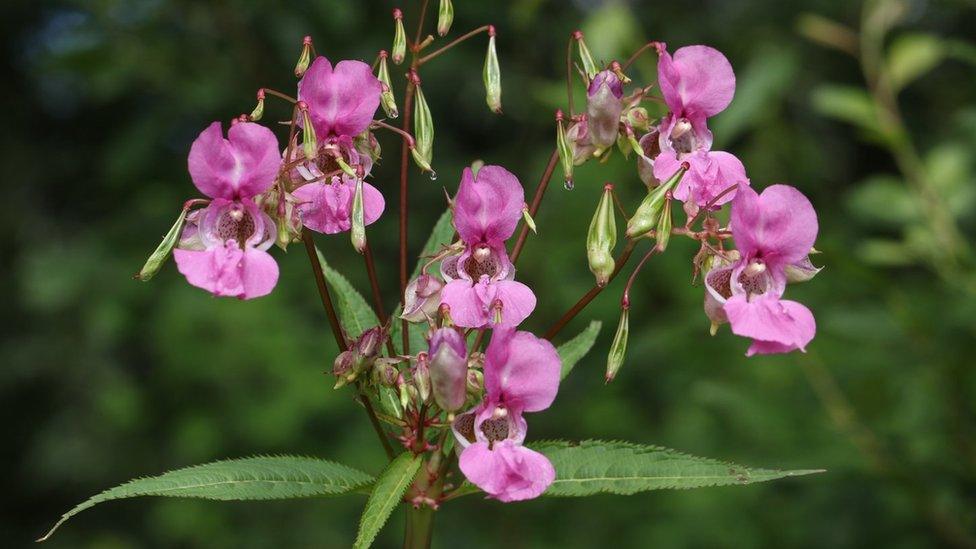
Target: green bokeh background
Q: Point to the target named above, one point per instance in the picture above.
(103, 378)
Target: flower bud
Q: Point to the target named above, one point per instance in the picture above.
(305, 58)
(342, 368)
(422, 298)
(637, 118)
(586, 60)
(403, 388)
(159, 255)
(258, 111)
(421, 376)
(565, 150)
(385, 371)
(649, 211)
(357, 231)
(389, 402)
(423, 129)
(448, 368)
(618, 349)
(309, 143)
(370, 342)
(492, 75)
(367, 145)
(602, 237)
(663, 231)
(604, 105)
(527, 217)
(386, 95)
(399, 49)
(475, 382)
(445, 16)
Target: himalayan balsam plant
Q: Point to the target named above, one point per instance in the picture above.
(448, 381)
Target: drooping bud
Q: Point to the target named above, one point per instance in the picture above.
(386, 95)
(448, 368)
(385, 371)
(637, 118)
(309, 143)
(357, 231)
(663, 231)
(389, 402)
(618, 349)
(423, 128)
(161, 253)
(649, 211)
(342, 368)
(445, 16)
(602, 237)
(527, 217)
(421, 376)
(604, 105)
(492, 75)
(305, 58)
(399, 49)
(258, 111)
(422, 298)
(370, 342)
(589, 67)
(565, 150)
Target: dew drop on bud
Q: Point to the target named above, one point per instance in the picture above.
(433, 175)
(568, 185)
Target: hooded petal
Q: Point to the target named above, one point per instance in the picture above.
(341, 100)
(487, 208)
(521, 370)
(228, 270)
(241, 167)
(780, 225)
(698, 79)
(507, 471)
(775, 325)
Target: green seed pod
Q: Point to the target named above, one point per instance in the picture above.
(445, 16)
(399, 50)
(649, 211)
(309, 143)
(492, 75)
(158, 257)
(423, 129)
(602, 237)
(527, 217)
(258, 111)
(589, 67)
(663, 231)
(305, 58)
(565, 149)
(618, 349)
(358, 230)
(386, 96)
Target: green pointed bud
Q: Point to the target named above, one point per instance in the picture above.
(565, 149)
(309, 143)
(423, 128)
(638, 119)
(663, 231)
(421, 376)
(305, 58)
(344, 166)
(618, 349)
(589, 67)
(445, 16)
(358, 230)
(386, 96)
(475, 382)
(399, 38)
(649, 211)
(527, 217)
(602, 237)
(389, 402)
(492, 75)
(159, 256)
(258, 111)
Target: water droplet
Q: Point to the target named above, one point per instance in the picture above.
(568, 184)
(433, 175)
(394, 114)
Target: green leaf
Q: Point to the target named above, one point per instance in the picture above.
(575, 349)
(594, 467)
(911, 56)
(847, 103)
(386, 495)
(883, 199)
(253, 478)
(355, 314)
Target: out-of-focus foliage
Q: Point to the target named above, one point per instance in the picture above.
(104, 378)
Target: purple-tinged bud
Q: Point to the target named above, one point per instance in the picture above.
(369, 344)
(602, 237)
(445, 16)
(258, 111)
(649, 211)
(385, 371)
(492, 75)
(342, 368)
(637, 118)
(448, 368)
(305, 58)
(399, 49)
(475, 383)
(618, 349)
(421, 376)
(604, 105)
(422, 298)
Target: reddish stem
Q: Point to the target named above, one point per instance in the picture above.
(540, 191)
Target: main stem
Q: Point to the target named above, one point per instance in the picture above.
(420, 528)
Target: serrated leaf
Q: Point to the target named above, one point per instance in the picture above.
(593, 467)
(575, 349)
(355, 314)
(387, 493)
(911, 56)
(254, 478)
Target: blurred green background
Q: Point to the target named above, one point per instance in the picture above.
(104, 378)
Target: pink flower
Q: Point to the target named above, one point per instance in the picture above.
(480, 290)
(773, 232)
(341, 100)
(222, 249)
(326, 207)
(521, 375)
(697, 83)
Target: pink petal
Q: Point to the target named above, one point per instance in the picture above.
(260, 273)
(518, 302)
(709, 173)
(780, 224)
(488, 208)
(775, 325)
(341, 100)
(508, 472)
(242, 167)
(467, 309)
(257, 149)
(521, 370)
(698, 79)
(229, 271)
(373, 203)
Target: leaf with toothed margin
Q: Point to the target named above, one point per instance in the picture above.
(575, 349)
(387, 493)
(355, 314)
(253, 478)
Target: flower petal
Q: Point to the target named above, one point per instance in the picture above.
(697, 80)
(326, 207)
(508, 471)
(521, 370)
(780, 224)
(467, 308)
(240, 168)
(341, 100)
(518, 302)
(228, 270)
(487, 208)
(775, 325)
